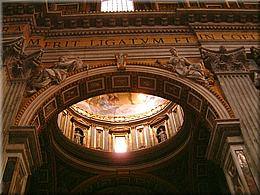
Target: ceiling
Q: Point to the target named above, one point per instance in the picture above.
(120, 107)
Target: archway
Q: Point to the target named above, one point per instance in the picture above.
(193, 97)
(107, 79)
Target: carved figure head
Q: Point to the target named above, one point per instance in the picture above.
(63, 59)
(173, 51)
(222, 49)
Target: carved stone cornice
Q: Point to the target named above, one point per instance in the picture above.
(28, 139)
(211, 26)
(44, 20)
(224, 132)
(225, 61)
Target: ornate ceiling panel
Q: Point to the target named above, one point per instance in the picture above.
(120, 107)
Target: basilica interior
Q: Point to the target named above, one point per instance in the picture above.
(130, 97)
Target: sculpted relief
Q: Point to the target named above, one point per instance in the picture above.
(18, 63)
(41, 77)
(182, 67)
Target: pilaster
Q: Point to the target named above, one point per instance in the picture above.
(232, 70)
(22, 156)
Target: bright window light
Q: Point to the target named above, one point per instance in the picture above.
(117, 5)
(120, 144)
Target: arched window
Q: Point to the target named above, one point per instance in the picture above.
(117, 5)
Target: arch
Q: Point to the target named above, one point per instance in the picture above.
(107, 79)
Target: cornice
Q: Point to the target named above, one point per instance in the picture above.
(107, 161)
(106, 31)
(139, 121)
(224, 26)
(53, 24)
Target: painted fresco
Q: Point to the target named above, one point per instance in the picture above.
(120, 107)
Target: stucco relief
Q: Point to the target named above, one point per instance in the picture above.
(19, 64)
(41, 77)
(182, 67)
(121, 60)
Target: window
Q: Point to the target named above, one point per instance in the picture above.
(120, 144)
(117, 5)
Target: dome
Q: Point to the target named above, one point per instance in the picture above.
(120, 107)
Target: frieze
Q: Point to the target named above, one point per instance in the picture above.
(111, 41)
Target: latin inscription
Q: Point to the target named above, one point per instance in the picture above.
(113, 41)
(227, 36)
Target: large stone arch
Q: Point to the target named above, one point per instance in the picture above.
(194, 98)
(107, 79)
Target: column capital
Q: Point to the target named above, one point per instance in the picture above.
(224, 61)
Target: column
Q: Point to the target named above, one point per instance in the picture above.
(11, 103)
(133, 134)
(106, 139)
(167, 128)
(171, 125)
(22, 156)
(151, 136)
(110, 142)
(233, 73)
(238, 172)
(92, 136)
(147, 135)
(227, 148)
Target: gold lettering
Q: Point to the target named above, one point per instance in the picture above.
(252, 36)
(133, 41)
(158, 41)
(144, 41)
(110, 42)
(33, 43)
(236, 37)
(187, 39)
(56, 44)
(207, 36)
(47, 44)
(121, 42)
(75, 43)
(177, 40)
